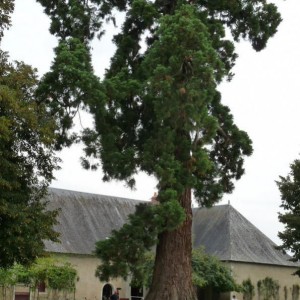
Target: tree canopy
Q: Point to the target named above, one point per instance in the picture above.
(27, 161)
(6, 8)
(289, 188)
(134, 106)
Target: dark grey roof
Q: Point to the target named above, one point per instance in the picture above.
(225, 233)
(87, 218)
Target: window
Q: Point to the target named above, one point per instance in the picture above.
(42, 287)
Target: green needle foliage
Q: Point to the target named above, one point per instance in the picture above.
(165, 116)
(158, 110)
(68, 86)
(289, 188)
(126, 251)
(27, 162)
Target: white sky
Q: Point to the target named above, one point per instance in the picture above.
(263, 97)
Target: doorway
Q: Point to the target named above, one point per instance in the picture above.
(106, 291)
(137, 293)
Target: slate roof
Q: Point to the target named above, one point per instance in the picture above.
(86, 218)
(225, 233)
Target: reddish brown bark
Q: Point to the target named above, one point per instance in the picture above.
(172, 277)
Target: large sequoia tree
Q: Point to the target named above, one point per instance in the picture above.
(157, 111)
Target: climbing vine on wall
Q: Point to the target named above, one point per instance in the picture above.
(6, 283)
(59, 276)
(268, 289)
(285, 290)
(248, 289)
(295, 292)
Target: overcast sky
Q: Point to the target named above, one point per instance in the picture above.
(263, 97)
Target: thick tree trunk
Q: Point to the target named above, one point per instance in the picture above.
(172, 277)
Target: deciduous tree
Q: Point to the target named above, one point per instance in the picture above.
(6, 8)
(27, 162)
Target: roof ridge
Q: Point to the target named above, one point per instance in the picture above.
(56, 190)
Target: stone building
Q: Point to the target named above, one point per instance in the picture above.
(86, 218)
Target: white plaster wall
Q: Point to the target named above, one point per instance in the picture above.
(88, 286)
(256, 272)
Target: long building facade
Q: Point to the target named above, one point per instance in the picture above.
(87, 218)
